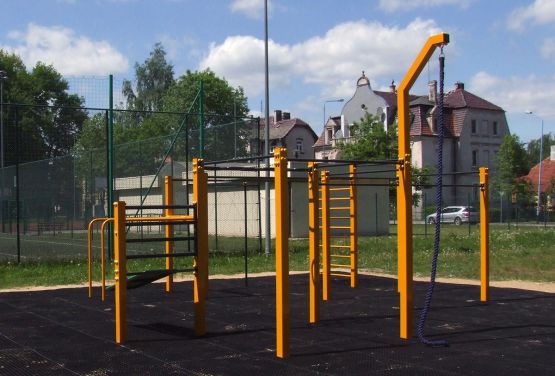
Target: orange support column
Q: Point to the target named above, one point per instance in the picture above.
(200, 199)
(325, 212)
(168, 200)
(120, 271)
(484, 234)
(353, 225)
(282, 252)
(314, 241)
(404, 190)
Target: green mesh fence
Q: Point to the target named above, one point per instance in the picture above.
(57, 174)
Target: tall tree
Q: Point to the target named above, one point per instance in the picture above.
(153, 78)
(512, 163)
(534, 146)
(48, 129)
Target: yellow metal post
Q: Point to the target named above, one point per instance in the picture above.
(484, 234)
(314, 241)
(168, 200)
(200, 199)
(282, 252)
(120, 271)
(404, 190)
(103, 257)
(325, 213)
(353, 224)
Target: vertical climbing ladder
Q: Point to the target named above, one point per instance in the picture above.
(339, 228)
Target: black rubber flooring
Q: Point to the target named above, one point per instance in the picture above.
(62, 332)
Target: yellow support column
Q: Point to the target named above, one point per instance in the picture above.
(314, 241)
(120, 272)
(484, 234)
(325, 213)
(168, 200)
(282, 252)
(404, 190)
(200, 199)
(353, 224)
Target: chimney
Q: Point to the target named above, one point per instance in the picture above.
(277, 116)
(392, 88)
(286, 115)
(459, 85)
(432, 91)
(552, 155)
(344, 127)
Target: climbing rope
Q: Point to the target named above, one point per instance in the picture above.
(439, 185)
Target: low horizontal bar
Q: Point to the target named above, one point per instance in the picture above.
(138, 207)
(160, 223)
(340, 275)
(238, 159)
(151, 240)
(171, 271)
(161, 255)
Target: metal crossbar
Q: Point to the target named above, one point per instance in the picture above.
(161, 255)
(162, 239)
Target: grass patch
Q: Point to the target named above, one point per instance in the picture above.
(526, 253)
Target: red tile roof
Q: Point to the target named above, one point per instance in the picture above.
(460, 98)
(548, 173)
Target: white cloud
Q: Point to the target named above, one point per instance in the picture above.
(540, 12)
(251, 8)
(400, 5)
(548, 49)
(517, 94)
(332, 61)
(69, 53)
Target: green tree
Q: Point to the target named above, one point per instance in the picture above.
(534, 146)
(49, 129)
(373, 142)
(225, 107)
(153, 79)
(512, 163)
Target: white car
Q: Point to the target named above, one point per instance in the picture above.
(455, 214)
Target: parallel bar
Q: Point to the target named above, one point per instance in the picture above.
(161, 255)
(484, 234)
(164, 239)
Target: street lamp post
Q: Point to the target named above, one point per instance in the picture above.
(330, 101)
(3, 77)
(538, 208)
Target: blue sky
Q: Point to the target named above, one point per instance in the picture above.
(503, 50)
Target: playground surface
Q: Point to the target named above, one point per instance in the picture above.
(63, 332)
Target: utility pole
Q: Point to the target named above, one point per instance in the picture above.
(267, 133)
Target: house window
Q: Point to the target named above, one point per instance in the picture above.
(484, 127)
(474, 158)
(473, 126)
(486, 158)
(495, 128)
(299, 145)
(330, 135)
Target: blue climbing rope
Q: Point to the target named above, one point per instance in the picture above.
(439, 186)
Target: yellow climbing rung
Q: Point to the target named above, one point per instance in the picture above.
(341, 275)
(340, 217)
(340, 227)
(339, 198)
(340, 246)
(340, 189)
(341, 266)
(340, 256)
(339, 236)
(341, 208)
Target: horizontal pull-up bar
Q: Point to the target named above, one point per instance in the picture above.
(332, 174)
(345, 161)
(158, 223)
(162, 239)
(138, 207)
(237, 160)
(160, 255)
